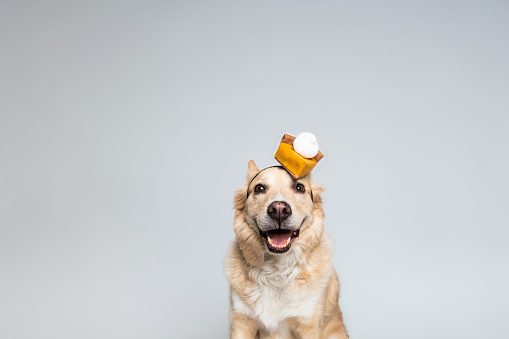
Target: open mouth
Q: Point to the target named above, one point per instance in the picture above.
(279, 240)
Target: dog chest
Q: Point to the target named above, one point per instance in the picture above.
(273, 303)
(277, 304)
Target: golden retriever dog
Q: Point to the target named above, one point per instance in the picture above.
(282, 283)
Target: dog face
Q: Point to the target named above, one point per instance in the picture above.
(278, 206)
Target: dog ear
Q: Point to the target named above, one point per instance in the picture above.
(317, 194)
(316, 189)
(239, 199)
(252, 169)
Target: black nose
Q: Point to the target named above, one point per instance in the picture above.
(279, 210)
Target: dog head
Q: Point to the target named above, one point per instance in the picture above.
(275, 212)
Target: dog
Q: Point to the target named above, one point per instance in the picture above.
(279, 268)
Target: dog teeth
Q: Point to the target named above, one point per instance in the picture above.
(283, 245)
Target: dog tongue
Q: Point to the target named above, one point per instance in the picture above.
(279, 236)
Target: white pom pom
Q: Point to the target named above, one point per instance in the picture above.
(305, 144)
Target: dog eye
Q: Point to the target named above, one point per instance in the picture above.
(259, 189)
(299, 188)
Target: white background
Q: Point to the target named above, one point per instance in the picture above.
(125, 128)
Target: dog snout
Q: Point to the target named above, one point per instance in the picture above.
(279, 210)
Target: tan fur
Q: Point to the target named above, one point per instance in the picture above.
(302, 282)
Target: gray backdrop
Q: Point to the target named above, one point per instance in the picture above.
(125, 128)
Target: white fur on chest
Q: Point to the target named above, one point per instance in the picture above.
(278, 295)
